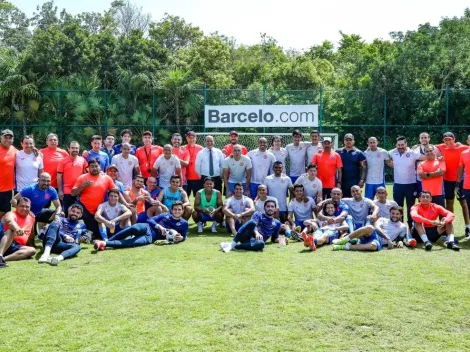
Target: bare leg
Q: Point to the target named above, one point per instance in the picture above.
(24, 253)
(465, 214)
(187, 212)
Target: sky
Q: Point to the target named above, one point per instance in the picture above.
(295, 24)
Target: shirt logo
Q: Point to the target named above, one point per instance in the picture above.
(407, 155)
(314, 185)
(332, 158)
(282, 153)
(242, 164)
(265, 157)
(129, 163)
(379, 155)
(171, 163)
(47, 196)
(283, 181)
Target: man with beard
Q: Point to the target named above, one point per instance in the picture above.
(52, 156)
(431, 171)
(208, 206)
(138, 196)
(330, 166)
(262, 162)
(147, 154)
(360, 208)
(64, 237)
(68, 171)
(112, 216)
(237, 169)
(7, 170)
(194, 180)
(28, 165)
(233, 139)
(253, 235)
(237, 209)
(165, 166)
(183, 156)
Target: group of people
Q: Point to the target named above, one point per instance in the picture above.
(119, 196)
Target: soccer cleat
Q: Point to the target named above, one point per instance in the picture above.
(161, 242)
(214, 227)
(428, 246)
(295, 236)
(225, 247)
(340, 241)
(99, 245)
(53, 261)
(311, 242)
(200, 228)
(453, 246)
(411, 243)
(354, 241)
(44, 259)
(339, 247)
(3, 263)
(305, 239)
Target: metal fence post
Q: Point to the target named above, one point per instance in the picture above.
(204, 107)
(153, 114)
(385, 120)
(61, 114)
(12, 118)
(105, 102)
(447, 107)
(321, 110)
(264, 102)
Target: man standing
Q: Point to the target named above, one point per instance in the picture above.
(354, 166)
(193, 179)
(314, 146)
(237, 169)
(403, 161)
(68, 171)
(431, 172)
(7, 170)
(279, 185)
(427, 225)
(182, 154)
(330, 166)
(17, 228)
(233, 139)
(108, 147)
(52, 156)
(126, 136)
(209, 163)
(166, 166)
(464, 170)
(147, 154)
(375, 162)
(208, 206)
(127, 165)
(255, 232)
(297, 153)
(28, 165)
(97, 153)
(237, 209)
(313, 187)
(262, 162)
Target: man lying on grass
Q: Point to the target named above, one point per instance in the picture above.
(385, 232)
(170, 227)
(255, 232)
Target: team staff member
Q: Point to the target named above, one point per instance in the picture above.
(7, 170)
(354, 166)
(147, 154)
(330, 166)
(52, 156)
(28, 165)
(431, 172)
(233, 138)
(166, 166)
(194, 180)
(210, 163)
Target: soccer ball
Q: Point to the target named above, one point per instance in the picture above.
(170, 235)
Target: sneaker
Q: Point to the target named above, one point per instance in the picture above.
(311, 242)
(3, 263)
(200, 228)
(467, 233)
(453, 246)
(305, 239)
(99, 245)
(428, 246)
(354, 241)
(44, 259)
(53, 261)
(214, 227)
(411, 243)
(295, 236)
(161, 242)
(226, 247)
(340, 241)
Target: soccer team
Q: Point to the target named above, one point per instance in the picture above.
(120, 196)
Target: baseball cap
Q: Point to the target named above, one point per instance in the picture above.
(234, 132)
(326, 139)
(446, 135)
(348, 136)
(147, 133)
(190, 133)
(7, 132)
(113, 167)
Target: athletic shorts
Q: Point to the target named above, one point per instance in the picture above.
(332, 234)
(373, 238)
(5, 198)
(300, 223)
(206, 218)
(231, 187)
(238, 224)
(371, 189)
(14, 247)
(431, 232)
(449, 190)
(44, 215)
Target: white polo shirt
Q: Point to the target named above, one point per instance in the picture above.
(125, 168)
(166, 168)
(278, 188)
(237, 169)
(27, 167)
(297, 156)
(311, 188)
(404, 171)
(262, 164)
(375, 165)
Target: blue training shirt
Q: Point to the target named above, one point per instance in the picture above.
(340, 207)
(352, 161)
(39, 198)
(102, 157)
(169, 222)
(117, 149)
(266, 226)
(154, 195)
(71, 228)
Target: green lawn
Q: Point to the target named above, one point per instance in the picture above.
(194, 297)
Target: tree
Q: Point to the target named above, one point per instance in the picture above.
(129, 17)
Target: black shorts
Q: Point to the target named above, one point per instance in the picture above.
(431, 232)
(194, 186)
(5, 198)
(449, 190)
(327, 193)
(44, 215)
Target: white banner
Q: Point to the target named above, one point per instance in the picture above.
(261, 116)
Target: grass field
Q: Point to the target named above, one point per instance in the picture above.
(194, 297)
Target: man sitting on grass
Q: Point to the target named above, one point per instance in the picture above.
(255, 232)
(17, 227)
(383, 203)
(341, 209)
(385, 232)
(237, 209)
(64, 237)
(156, 228)
(208, 206)
(427, 225)
(171, 194)
(112, 216)
(301, 207)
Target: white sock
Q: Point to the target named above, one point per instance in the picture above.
(59, 258)
(233, 244)
(214, 224)
(47, 251)
(347, 247)
(424, 238)
(450, 238)
(346, 238)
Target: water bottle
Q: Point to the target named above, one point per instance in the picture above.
(282, 241)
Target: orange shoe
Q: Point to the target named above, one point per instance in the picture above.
(99, 245)
(305, 238)
(412, 243)
(311, 242)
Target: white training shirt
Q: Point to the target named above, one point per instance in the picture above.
(312, 150)
(26, 169)
(384, 209)
(166, 169)
(280, 155)
(238, 206)
(311, 187)
(278, 188)
(262, 163)
(375, 165)
(110, 212)
(259, 205)
(404, 171)
(391, 229)
(297, 155)
(359, 209)
(125, 168)
(237, 169)
(302, 211)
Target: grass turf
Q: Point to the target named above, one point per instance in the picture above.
(194, 297)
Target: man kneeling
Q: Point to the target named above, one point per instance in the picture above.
(255, 232)
(155, 229)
